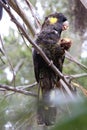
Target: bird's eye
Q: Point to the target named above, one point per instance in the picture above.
(53, 20)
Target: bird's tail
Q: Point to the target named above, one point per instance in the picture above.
(46, 111)
(46, 114)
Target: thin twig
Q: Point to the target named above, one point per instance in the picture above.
(11, 66)
(1, 49)
(66, 88)
(1, 89)
(2, 52)
(27, 86)
(32, 12)
(18, 9)
(2, 60)
(10, 88)
(71, 58)
(24, 38)
(24, 87)
(71, 77)
(17, 68)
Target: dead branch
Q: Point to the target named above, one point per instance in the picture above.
(1, 51)
(23, 38)
(16, 69)
(66, 88)
(18, 66)
(72, 77)
(2, 60)
(27, 86)
(17, 90)
(71, 58)
(24, 87)
(84, 2)
(18, 9)
(32, 12)
(39, 50)
(9, 62)
(79, 75)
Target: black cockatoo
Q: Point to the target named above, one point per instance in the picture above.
(1, 8)
(46, 78)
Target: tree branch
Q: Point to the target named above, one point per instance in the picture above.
(32, 12)
(84, 2)
(5, 54)
(17, 68)
(71, 58)
(17, 90)
(18, 9)
(27, 86)
(71, 77)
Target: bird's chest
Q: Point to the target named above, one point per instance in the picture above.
(52, 51)
(55, 53)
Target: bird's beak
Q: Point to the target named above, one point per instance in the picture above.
(65, 25)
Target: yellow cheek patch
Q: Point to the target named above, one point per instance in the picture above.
(53, 20)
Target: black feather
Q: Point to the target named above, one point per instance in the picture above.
(47, 80)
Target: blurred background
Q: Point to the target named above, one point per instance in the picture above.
(18, 111)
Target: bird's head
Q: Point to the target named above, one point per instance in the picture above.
(56, 19)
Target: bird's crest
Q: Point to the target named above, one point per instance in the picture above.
(53, 20)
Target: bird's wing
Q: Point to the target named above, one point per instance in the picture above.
(36, 64)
